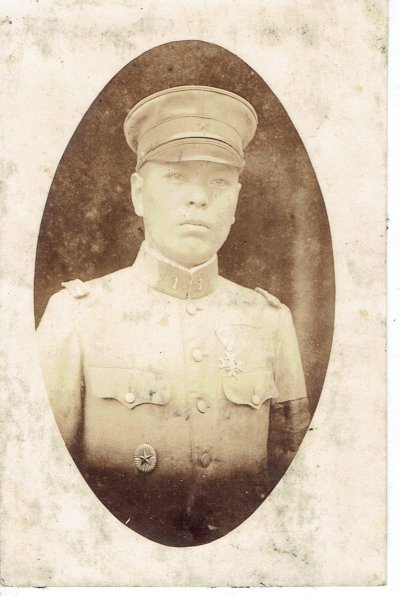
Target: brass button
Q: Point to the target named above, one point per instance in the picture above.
(256, 400)
(130, 398)
(201, 406)
(191, 308)
(145, 458)
(197, 355)
(205, 460)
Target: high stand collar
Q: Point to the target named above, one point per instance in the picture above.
(168, 277)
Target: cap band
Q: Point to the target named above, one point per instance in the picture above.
(191, 149)
(185, 127)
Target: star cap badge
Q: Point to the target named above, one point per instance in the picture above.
(203, 126)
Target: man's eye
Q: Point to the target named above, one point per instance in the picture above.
(174, 176)
(219, 183)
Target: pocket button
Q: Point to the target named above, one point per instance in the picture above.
(256, 400)
(130, 398)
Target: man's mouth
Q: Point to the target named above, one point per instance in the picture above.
(195, 222)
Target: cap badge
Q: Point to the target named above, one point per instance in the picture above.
(203, 126)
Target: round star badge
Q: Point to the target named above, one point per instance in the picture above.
(145, 458)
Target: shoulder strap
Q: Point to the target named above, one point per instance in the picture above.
(76, 288)
(273, 300)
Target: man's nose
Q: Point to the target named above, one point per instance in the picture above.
(198, 196)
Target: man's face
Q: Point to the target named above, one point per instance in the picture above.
(187, 207)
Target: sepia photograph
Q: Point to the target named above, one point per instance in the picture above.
(177, 380)
(193, 242)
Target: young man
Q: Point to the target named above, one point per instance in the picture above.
(161, 375)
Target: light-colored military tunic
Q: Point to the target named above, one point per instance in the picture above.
(159, 373)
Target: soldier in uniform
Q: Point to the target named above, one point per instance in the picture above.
(162, 375)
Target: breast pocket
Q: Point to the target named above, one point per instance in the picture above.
(247, 345)
(130, 387)
(250, 388)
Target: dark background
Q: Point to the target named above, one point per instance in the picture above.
(281, 239)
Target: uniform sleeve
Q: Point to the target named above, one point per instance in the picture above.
(289, 376)
(289, 379)
(60, 357)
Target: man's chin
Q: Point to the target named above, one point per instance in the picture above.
(192, 252)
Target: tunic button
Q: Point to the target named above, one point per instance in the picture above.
(201, 406)
(205, 460)
(256, 400)
(191, 308)
(130, 398)
(197, 355)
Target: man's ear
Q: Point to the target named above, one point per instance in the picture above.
(239, 186)
(137, 193)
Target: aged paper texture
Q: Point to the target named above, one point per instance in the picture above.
(324, 522)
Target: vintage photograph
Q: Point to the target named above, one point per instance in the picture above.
(184, 293)
(193, 245)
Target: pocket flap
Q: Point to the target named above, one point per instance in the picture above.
(251, 388)
(131, 387)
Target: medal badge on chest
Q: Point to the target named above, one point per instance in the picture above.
(229, 361)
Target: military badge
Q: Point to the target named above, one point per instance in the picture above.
(229, 361)
(231, 365)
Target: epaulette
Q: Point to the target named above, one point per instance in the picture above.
(273, 300)
(76, 287)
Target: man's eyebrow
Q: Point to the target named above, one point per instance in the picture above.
(224, 172)
(168, 167)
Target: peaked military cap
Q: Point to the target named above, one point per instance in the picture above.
(191, 123)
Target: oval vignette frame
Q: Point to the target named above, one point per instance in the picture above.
(281, 240)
